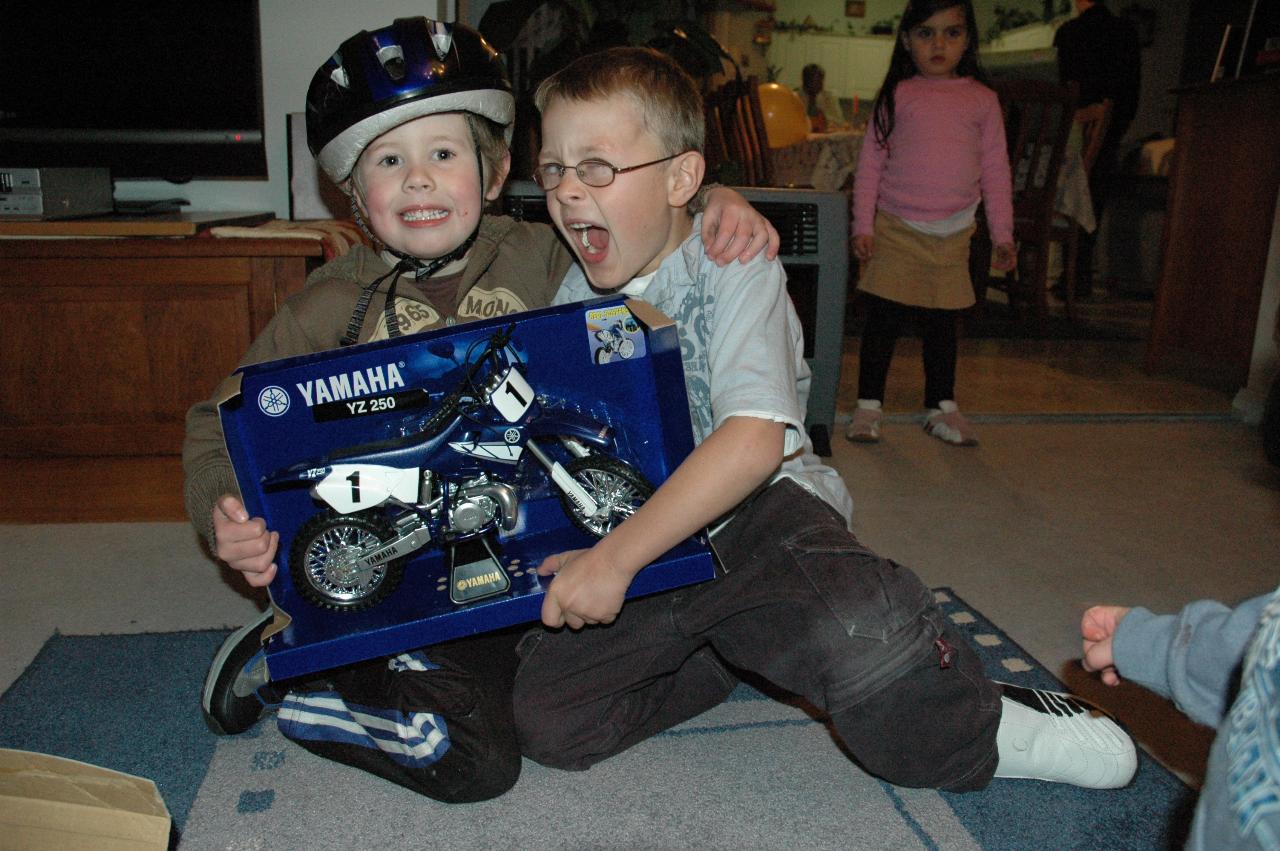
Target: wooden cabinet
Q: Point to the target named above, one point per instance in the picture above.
(107, 342)
(1222, 198)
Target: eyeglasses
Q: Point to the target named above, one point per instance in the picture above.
(595, 173)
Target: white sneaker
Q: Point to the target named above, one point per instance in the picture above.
(1046, 735)
(946, 423)
(864, 427)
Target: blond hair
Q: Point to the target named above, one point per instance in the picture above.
(491, 139)
(667, 97)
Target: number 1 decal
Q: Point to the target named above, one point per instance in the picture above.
(513, 397)
(354, 478)
(514, 393)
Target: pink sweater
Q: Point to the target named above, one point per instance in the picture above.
(946, 151)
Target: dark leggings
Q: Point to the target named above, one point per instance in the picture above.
(883, 327)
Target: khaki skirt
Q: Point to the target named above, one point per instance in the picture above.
(915, 268)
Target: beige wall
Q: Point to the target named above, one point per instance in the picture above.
(735, 25)
(831, 12)
(1161, 61)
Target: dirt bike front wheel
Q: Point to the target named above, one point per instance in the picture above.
(617, 487)
(323, 561)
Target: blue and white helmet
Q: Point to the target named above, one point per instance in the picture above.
(379, 80)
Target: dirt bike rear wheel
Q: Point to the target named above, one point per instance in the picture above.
(321, 561)
(617, 487)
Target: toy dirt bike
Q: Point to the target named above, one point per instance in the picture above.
(614, 341)
(460, 476)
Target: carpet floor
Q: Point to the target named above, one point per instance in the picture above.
(1048, 516)
(753, 773)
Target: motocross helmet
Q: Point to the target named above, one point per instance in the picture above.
(379, 80)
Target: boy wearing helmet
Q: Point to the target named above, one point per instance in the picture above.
(411, 122)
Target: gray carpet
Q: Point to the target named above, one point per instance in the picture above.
(752, 773)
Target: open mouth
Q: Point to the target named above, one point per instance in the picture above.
(592, 240)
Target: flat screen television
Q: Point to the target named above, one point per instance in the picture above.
(152, 89)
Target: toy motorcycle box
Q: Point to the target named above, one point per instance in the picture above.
(417, 483)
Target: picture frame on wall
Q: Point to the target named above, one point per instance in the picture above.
(855, 8)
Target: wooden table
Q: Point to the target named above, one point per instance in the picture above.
(823, 161)
(158, 224)
(108, 342)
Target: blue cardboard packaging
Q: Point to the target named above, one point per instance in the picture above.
(338, 425)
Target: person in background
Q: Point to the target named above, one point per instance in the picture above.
(797, 598)
(822, 107)
(1196, 658)
(411, 121)
(1100, 52)
(935, 149)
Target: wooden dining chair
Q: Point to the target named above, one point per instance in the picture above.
(737, 144)
(1092, 122)
(1038, 116)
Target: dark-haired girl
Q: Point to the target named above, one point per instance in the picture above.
(935, 149)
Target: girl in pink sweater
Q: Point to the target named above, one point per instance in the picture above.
(937, 148)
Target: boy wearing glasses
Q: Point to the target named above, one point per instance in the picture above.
(412, 122)
(799, 600)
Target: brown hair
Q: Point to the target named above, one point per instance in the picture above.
(902, 66)
(668, 98)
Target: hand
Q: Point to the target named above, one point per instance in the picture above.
(1005, 257)
(863, 246)
(1098, 626)
(244, 543)
(732, 228)
(586, 590)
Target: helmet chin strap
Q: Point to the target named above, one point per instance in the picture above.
(406, 263)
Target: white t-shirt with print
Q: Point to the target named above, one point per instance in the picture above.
(742, 347)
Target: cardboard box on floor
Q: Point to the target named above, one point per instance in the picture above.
(614, 360)
(48, 802)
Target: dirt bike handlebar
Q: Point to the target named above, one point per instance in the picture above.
(450, 403)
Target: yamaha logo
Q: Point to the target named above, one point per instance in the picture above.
(351, 385)
(273, 401)
(511, 435)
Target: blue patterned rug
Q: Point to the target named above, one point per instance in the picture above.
(752, 773)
